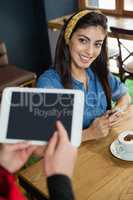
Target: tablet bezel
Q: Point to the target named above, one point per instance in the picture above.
(77, 119)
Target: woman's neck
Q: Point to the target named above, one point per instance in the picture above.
(80, 75)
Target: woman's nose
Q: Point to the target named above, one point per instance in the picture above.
(90, 49)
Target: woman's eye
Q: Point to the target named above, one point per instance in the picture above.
(98, 45)
(82, 40)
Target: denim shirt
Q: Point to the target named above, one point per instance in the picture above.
(95, 103)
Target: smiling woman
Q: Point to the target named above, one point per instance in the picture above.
(81, 63)
(85, 47)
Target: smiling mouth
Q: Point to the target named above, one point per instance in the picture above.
(85, 59)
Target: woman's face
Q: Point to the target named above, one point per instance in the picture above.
(85, 45)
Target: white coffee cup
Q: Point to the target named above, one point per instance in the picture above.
(125, 140)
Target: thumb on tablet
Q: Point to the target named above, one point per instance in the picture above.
(62, 133)
(52, 144)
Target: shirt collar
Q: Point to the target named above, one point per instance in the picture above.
(90, 74)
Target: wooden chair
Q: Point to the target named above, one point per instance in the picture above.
(3, 54)
(11, 75)
(125, 57)
(113, 57)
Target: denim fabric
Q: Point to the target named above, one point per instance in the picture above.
(95, 103)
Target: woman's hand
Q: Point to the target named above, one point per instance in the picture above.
(115, 116)
(99, 128)
(14, 156)
(116, 113)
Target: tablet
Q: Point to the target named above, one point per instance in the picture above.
(31, 114)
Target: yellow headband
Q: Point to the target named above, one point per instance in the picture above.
(71, 24)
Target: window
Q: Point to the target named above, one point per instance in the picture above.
(128, 5)
(113, 7)
(106, 4)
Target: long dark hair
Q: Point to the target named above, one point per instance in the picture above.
(99, 66)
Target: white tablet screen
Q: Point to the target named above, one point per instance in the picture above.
(33, 115)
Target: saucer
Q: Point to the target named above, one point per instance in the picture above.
(121, 155)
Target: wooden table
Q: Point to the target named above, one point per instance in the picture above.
(98, 174)
(121, 22)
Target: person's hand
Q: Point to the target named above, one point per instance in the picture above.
(114, 116)
(39, 151)
(60, 154)
(100, 127)
(14, 156)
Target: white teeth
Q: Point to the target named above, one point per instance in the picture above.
(85, 58)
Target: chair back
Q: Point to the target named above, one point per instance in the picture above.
(11, 75)
(3, 54)
(125, 54)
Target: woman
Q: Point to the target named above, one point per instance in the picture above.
(81, 63)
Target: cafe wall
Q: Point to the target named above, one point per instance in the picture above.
(23, 27)
(58, 8)
(55, 10)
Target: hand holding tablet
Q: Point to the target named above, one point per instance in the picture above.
(31, 114)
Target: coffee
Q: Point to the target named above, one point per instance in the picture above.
(125, 142)
(128, 137)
